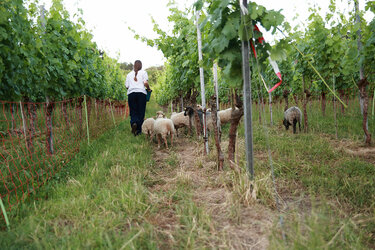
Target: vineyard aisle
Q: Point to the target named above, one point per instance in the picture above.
(121, 192)
(206, 213)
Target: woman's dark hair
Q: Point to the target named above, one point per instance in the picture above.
(137, 67)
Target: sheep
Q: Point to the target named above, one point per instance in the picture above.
(148, 127)
(291, 117)
(179, 120)
(210, 122)
(162, 127)
(189, 111)
(225, 115)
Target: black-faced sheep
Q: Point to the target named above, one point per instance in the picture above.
(163, 127)
(148, 127)
(189, 111)
(179, 120)
(292, 116)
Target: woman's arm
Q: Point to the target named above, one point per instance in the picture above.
(146, 85)
(127, 82)
(145, 81)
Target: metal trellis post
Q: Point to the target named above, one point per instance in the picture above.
(203, 94)
(247, 104)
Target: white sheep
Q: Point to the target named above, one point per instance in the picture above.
(225, 115)
(162, 127)
(179, 120)
(148, 127)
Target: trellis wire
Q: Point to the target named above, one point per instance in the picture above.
(266, 132)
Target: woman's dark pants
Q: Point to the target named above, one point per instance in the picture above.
(137, 106)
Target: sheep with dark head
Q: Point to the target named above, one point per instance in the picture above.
(292, 116)
(189, 111)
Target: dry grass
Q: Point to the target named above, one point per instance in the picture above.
(233, 217)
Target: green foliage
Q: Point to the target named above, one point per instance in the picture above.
(226, 31)
(54, 57)
(221, 27)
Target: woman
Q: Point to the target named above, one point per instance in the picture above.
(137, 83)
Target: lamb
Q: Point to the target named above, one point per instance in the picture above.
(291, 117)
(179, 120)
(225, 115)
(148, 127)
(162, 127)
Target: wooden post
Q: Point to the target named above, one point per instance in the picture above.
(127, 109)
(113, 117)
(247, 102)
(217, 98)
(49, 126)
(373, 104)
(24, 126)
(363, 97)
(203, 93)
(182, 103)
(216, 86)
(334, 105)
(87, 121)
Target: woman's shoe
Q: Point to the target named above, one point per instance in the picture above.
(134, 129)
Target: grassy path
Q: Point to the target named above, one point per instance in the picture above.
(99, 200)
(121, 193)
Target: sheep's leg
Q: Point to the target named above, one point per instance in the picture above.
(190, 127)
(150, 134)
(299, 125)
(172, 139)
(158, 137)
(294, 126)
(165, 141)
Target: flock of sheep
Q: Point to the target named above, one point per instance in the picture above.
(161, 127)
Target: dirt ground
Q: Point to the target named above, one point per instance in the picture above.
(353, 148)
(233, 226)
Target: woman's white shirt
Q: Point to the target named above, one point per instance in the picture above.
(136, 86)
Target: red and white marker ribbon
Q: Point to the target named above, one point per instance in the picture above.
(272, 62)
(277, 72)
